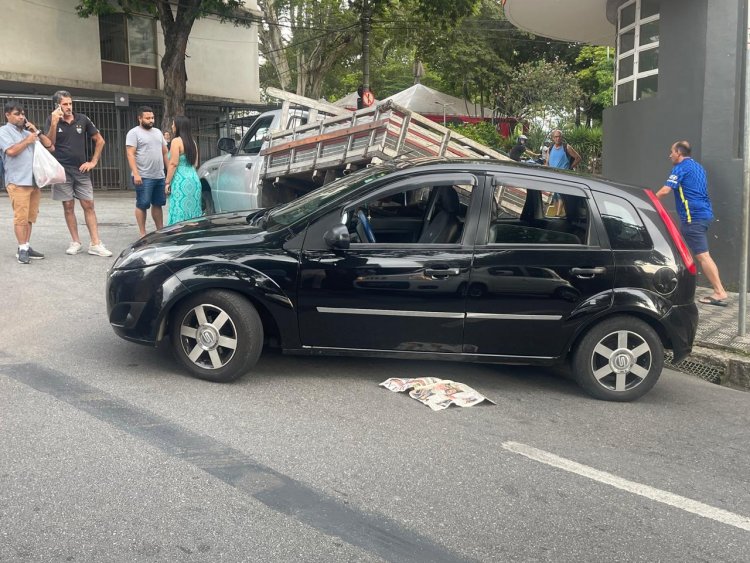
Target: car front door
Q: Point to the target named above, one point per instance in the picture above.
(237, 180)
(539, 270)
(404, 294)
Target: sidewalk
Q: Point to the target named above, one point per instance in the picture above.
(719, 355)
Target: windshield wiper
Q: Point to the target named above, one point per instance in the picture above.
(256, 217)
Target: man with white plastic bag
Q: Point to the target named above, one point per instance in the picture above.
(18, 139)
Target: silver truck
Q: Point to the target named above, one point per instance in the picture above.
(307, 143)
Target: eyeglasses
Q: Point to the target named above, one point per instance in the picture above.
(556, 136)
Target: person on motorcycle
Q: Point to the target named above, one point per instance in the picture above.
(520, 149)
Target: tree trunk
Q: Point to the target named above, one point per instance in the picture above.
(273, 43)
(176, 32)
(302, 74)
(175, 83)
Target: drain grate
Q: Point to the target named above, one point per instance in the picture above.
(711, 373)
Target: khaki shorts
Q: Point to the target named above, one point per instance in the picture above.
(25, 202)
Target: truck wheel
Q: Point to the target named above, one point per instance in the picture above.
(217, 335)
(207, 202)
(619, 359)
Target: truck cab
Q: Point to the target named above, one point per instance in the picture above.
(233, 179)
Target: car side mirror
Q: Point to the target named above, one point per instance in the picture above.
(337, 237)
(227, 144)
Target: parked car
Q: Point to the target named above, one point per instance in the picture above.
(435, 259)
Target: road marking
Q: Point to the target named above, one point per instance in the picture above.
(683, 503)
(383, 536)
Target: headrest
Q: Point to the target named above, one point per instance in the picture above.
(449, 200)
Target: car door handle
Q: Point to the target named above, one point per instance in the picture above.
(249, 165)
(442, 272)
(588, 272)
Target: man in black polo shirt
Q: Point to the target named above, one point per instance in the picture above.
(70, 134)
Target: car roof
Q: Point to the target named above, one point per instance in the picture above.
(490, 166)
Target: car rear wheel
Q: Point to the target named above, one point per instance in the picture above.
(217, 335)
(619, 359)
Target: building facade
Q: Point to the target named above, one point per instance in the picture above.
(111, 65)
(679, 75)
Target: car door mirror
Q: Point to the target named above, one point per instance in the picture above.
(227, 145)
(337, 237)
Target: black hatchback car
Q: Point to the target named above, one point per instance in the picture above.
(443, 259)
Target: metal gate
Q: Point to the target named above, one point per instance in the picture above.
(112, 172)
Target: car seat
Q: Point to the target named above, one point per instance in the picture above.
(444, 225)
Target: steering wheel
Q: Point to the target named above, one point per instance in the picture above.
(362, 218)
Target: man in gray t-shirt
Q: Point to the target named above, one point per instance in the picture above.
(147, 157)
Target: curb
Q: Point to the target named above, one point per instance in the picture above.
(717, 365)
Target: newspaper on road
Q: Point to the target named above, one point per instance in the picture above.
(436, 393)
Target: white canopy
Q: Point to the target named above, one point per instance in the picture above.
(425, 101)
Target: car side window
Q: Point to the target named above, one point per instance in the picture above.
(433, 214)
(624, 227)
(521, 215)
(253, 141)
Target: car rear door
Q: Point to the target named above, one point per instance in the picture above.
(539, 270)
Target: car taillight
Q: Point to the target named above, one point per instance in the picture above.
(679, 242)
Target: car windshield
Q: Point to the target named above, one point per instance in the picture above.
(285, 215)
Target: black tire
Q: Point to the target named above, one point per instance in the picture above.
(619, 359)
(207, 202)
(227, 351)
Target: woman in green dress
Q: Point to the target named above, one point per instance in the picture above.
(183, 185)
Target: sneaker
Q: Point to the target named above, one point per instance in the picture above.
(23, 256)
(99, 250)
(34, 255)
(74, 248)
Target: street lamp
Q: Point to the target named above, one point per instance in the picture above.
(444, 106)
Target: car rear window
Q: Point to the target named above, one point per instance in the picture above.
(522, 215)
(624, 226)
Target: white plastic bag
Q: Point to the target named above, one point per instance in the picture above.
(46, 168)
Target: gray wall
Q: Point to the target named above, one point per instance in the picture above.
(699, 99)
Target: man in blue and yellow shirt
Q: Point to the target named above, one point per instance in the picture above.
(690, 187)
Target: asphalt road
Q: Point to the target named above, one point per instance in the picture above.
(109, 453)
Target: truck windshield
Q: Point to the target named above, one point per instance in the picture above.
(285, 215)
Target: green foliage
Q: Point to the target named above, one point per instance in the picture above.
(538, 89)
(537, 135)
(588, 142)
(485, 133)
(595, 69)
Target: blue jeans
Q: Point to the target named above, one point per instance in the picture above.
(150, 192)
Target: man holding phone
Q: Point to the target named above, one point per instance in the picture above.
(17, 144)
(71, 134)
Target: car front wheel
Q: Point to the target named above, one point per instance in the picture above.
(217, 335)
(619, 359)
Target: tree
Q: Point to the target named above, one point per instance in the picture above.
(272, 42)
(539, 89)
(176, 19)
(440, 14)
(595, 69)
(332, 34)
(322, 33)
